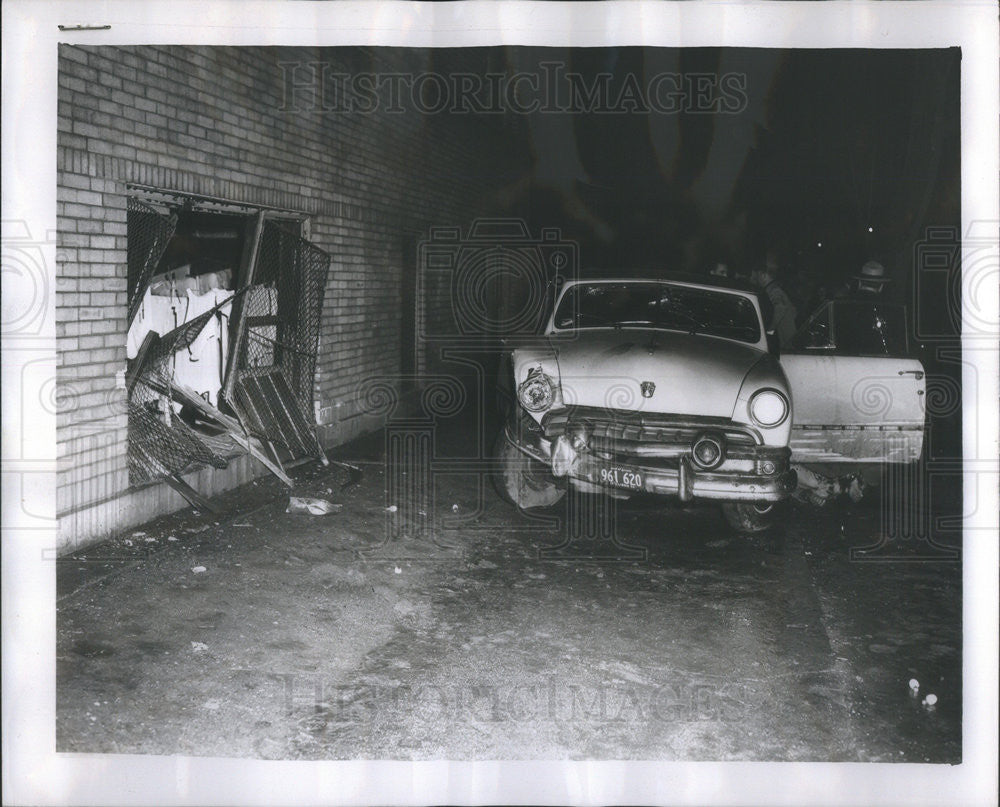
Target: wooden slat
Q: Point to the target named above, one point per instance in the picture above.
(186, 395)
(135, 366)
(237, 319)
(189, 493)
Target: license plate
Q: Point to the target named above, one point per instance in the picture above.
(620, 478)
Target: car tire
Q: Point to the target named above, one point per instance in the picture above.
(750, 518)
(521, 481)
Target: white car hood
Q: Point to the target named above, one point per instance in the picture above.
(693, 375)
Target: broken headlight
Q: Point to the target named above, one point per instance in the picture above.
(537, 392)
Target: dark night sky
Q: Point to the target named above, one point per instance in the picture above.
(830, 143)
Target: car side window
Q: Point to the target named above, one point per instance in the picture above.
(869, 328)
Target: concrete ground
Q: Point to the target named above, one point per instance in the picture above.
(455, 631)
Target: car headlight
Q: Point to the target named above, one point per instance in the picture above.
(537, 392)
(768, 408)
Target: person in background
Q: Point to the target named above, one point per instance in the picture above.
(872, 279)
(869, 282)
(719, 270)
(781, 317)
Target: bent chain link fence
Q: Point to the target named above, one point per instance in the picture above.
(276, 363)
(160, 442)
(149, 232)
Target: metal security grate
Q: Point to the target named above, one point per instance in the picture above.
(269, 408)
(149, 232)
(159, 448)
(276, 354)
(160, 442)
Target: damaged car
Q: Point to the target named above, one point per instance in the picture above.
(673, 387)
(666, 386)
(859, 398)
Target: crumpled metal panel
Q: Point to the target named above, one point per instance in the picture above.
(160, 443)
(270, 409)
(276, 353)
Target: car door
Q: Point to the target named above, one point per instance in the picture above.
(857, 396)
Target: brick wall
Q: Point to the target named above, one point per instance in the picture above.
(220, 122)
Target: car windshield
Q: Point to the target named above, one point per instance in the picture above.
(658, 305)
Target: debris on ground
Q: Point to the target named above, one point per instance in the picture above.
(198, 569)
(311, 506)
(171, 538)
(930, 700)
(355, 473)
(815, 488)
(198, 647)
(914, 686)
(397, 570)
(391, 508)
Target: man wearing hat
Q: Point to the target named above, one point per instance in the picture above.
(872, 278)
(869, 282)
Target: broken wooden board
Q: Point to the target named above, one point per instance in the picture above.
(186, 395)
(189, 493)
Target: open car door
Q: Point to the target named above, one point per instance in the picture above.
(857, 395)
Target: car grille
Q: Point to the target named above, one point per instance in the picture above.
(645, 434)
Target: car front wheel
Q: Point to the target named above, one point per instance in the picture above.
(522, 481)
(749, 517)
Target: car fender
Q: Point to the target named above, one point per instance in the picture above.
(766, 373)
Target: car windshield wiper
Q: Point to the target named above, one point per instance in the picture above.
(696, 324)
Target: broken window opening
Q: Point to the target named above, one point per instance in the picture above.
(219, 300)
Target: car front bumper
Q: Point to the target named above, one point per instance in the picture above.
(684, 481)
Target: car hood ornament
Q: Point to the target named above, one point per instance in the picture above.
(647, 388)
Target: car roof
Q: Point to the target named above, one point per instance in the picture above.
(711, 281)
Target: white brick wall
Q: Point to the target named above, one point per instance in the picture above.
(208, 121)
